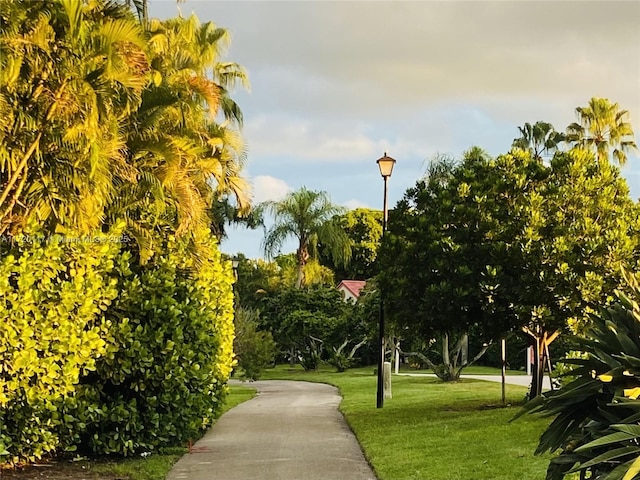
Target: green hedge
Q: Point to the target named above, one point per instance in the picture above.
(54, 291)
(165, 375)
(105, 356)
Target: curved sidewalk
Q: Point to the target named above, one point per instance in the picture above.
(289, 431)
(522, 380)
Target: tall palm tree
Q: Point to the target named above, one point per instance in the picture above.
(603, 126)
(70, 72)
(185, 139)
(538, 139)
(307, 216)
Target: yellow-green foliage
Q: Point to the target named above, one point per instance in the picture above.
(101, 355)
(53, 294)
(164, 376)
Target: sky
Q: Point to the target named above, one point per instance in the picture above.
(336, 84)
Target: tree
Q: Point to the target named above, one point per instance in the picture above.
(584, 230)
(70, 73)
(601, 127)
(364, 229)
(438, 271)
(538, 139)
(307, 322)
(184, 140)
(507, 244)
(306, 215)
(102, 120)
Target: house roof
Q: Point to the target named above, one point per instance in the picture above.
(353, 286)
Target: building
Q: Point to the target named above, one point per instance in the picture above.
(351, 289)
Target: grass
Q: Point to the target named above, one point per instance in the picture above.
(435, 431)
(428, 430)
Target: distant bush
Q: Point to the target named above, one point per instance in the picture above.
(254, 349)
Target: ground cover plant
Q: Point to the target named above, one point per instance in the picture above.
(433, 430)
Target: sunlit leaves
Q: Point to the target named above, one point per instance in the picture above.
(596, 428)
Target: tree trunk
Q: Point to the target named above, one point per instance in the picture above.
(302, 256)
(541, 342)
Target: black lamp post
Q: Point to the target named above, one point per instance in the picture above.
(386, 167)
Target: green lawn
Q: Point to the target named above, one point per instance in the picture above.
(435, 431)
(427, 431)
(472, 370)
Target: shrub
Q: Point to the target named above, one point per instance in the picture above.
(164, 374)
(596, 420)
(254, 349)
(53, 294)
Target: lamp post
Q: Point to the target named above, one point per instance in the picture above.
(385, 164)
(235, 261)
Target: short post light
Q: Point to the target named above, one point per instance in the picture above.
(385, 164)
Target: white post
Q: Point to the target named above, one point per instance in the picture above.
(503, 361)
(528, 360)
(397, 359)
(387, 379)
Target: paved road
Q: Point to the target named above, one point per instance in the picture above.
(289, 431)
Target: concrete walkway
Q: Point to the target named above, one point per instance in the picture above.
(289, 431)
(522, 380)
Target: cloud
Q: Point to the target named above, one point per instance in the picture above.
(269, 188)
(335, 84)
(271, 133)
(354, 203)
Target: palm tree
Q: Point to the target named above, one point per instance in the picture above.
(307, 216)
(69, 74)
(602, 126)
(185, 139)
(538, 139)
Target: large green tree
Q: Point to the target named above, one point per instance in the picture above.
(446, 259)
(363, 226)
(583, 230)
(510, 243)
(603, 128)
(306, 216)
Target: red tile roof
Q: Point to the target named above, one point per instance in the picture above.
(353, 286)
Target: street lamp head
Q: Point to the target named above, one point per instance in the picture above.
(386, 164)
(235, 261)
